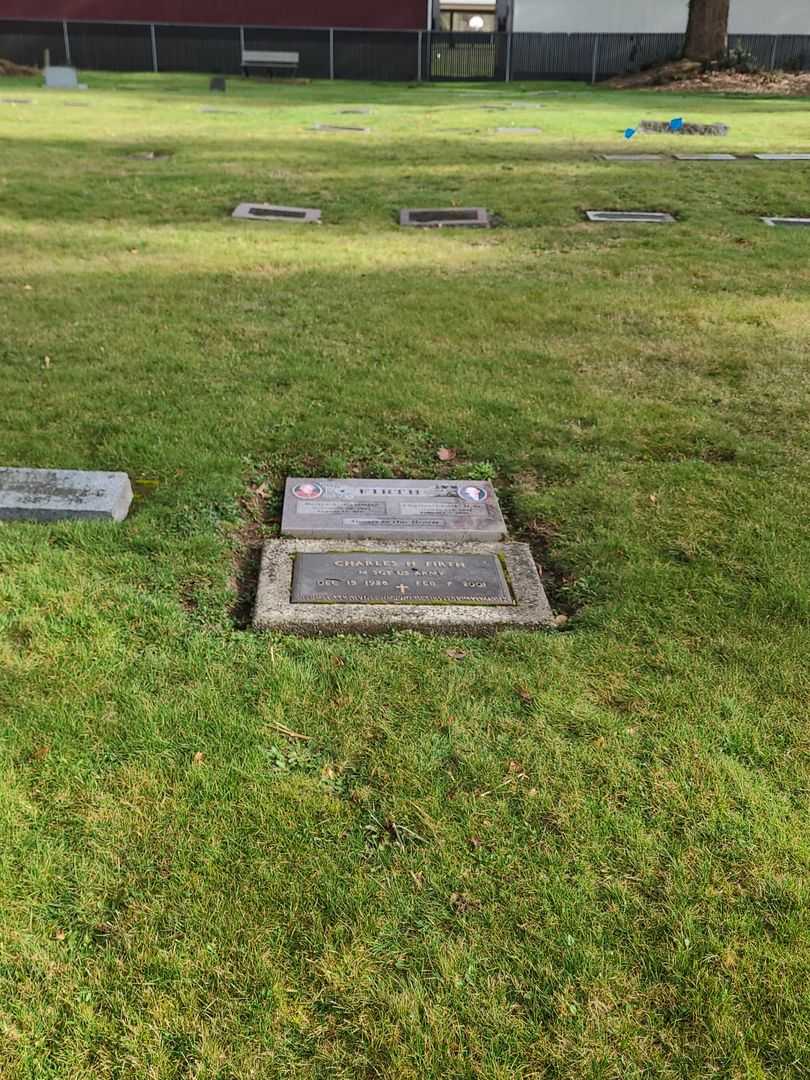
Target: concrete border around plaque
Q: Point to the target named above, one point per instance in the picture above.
(269, 212)
(705, 157)
(339, 128)
(631, 157)
(470, 217)
(782, 157)
(457, 511)
(638, 216)
(796, 222)
(526, 606)
(63, 494)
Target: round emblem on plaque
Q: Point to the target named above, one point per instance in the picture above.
(472, 493)
(307, 490)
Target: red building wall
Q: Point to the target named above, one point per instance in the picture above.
(357, 14)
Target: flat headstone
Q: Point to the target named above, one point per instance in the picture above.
(453, 216)
(517, 131)
(269, 212)
(61, 78)
(460, 510)
(150, 155)
(222, 112)
(631, 157)
(58, 494)
(782, 157)
(705, 157)
(351, 586)
(794, 222)
(16, 101)
(340, 127)
(641, 216)
(359, 111)
(398, 578)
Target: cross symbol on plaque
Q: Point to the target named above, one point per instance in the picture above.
(402, 589)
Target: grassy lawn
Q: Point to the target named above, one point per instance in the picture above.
(577, 855)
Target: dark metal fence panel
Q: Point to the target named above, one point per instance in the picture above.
(312, 47)
(214, 49)
(102, 47)
(25, 42)
(376, 55)
(621, 54)
(371, 54)
(791, 51)
(552, 56)
(474, 56)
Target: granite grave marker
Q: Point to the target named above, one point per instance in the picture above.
(270, 212)
(58, 494)
(459, 510)
(640, 216)
(450, 217)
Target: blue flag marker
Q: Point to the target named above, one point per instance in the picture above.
(676, 124)
(629, 133)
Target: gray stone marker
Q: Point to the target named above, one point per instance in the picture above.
(221, 112)
(705, 157)
(340, 127)
(795, 222)
(396, 578)
(359, 111)
(449, 217)
(517, 131)
(61, 78)
(458, 510)
(782, 157)
(16, 101)
(325, 587)
(269, 212)
(630, 157)
(640, 216)
(57, 494)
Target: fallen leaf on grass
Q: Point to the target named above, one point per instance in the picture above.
(444, 453)
(560, 620)
(40, 753)
(456, 654)
(46, 363)
(60, 935)
(524, 695)
(198, 758)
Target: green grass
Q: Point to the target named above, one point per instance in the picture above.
(578, 855)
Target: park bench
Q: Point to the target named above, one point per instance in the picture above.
(270, 61)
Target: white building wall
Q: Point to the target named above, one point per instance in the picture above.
(655, 16)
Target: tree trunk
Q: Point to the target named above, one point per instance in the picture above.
(707, 31)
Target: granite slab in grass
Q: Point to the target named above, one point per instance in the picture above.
(370, 587)
(59, 494)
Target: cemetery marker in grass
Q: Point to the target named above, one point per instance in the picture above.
(451, 217)
(63, 494)
(269, 212)
(638, 216)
